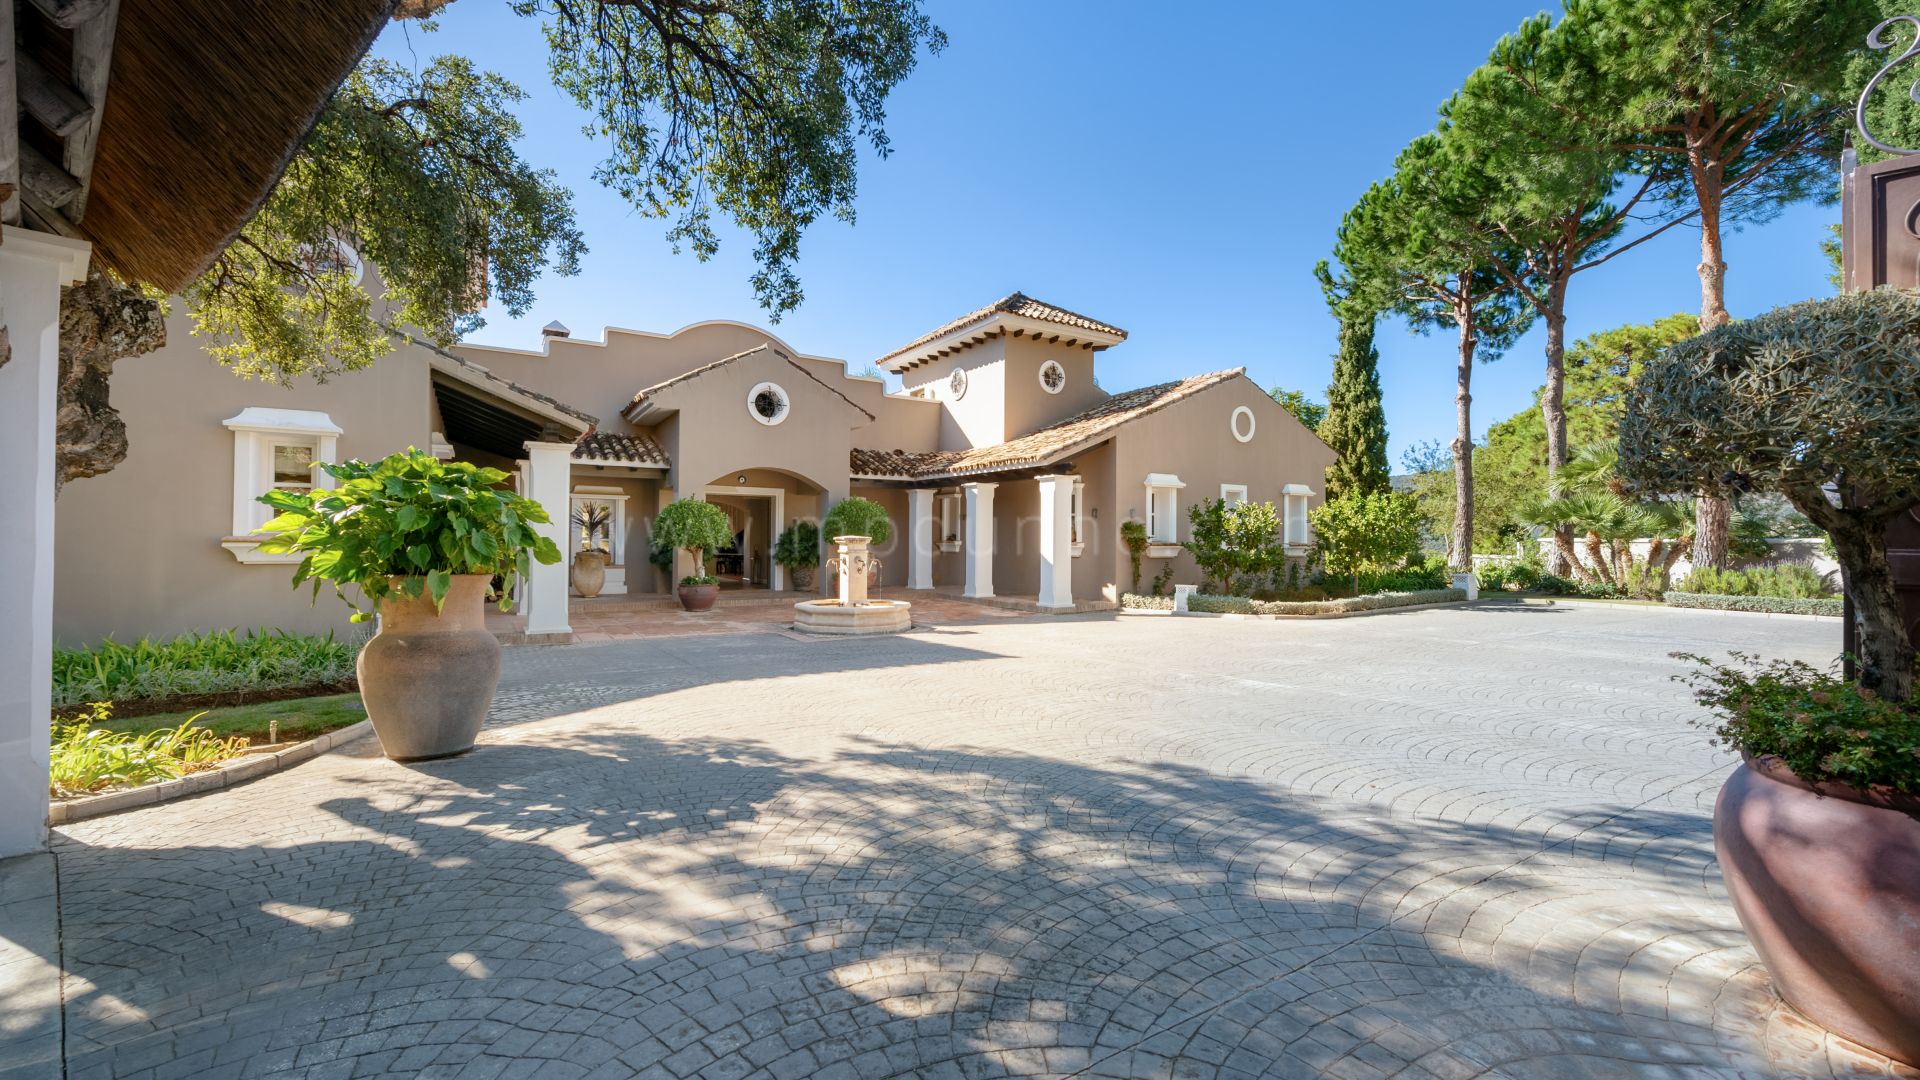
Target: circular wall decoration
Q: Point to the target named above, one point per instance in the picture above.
(1053, 377)
(768, 403)
(1241, 423)
(957, 383)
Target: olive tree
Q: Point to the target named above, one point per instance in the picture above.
(1819, 401)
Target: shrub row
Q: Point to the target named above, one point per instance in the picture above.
(197, 664)
(1241, 605)
(1773, 605)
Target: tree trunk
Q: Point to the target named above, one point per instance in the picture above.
(1886, 652)
(1462, 543)
(1553, 410)
(101, 322)
(1599, 558)
(1563, 549)
(1713, 515)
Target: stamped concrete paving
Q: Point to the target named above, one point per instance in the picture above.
(1441, 843)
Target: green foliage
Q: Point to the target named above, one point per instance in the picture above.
(1304, 409)
(1163, 581)
(1787, 580)
(1133, 534)
(756, 107)
(87, 757)
(1774, 605)
(696, 527)
(212, 663)
(799, 545)
(408, 523)
(1418, 575)
(416, 172)
(1228, 542)
(1355, 419)
(858, 517)
(291, 719)
(1821, 726)
(1365, 532)
(1136, 602)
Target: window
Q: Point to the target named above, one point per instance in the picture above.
(1053, 377)
(1233, 494)
(274, 450)
(1078, 532)
(1241, 423)
(950, 522)
(1163, 508)
(1293, 508)
(957, 383)
(768, 403)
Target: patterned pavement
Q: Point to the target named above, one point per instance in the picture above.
(1455, 842)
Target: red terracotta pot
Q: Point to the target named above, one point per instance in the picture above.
(1826, 881)
(699, 597)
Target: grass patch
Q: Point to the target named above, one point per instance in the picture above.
(300, 719)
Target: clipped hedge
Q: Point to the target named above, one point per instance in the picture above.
(1241, 605)
(1772, 605)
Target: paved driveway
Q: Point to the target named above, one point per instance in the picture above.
(1439, 843)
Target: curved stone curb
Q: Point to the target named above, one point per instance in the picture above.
(238, 771)
(1249, 616)
(1549, 601)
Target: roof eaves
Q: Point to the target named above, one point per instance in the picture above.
(533, 401)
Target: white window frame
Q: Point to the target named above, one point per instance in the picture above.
(256, 431)
(1077, 514)
(778, 391)
(1233, 494)
(615, 583)
(950, 523)
(1163, 514)
(1295, 531)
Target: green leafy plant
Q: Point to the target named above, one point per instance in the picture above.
(1831, 606)
(1358, 533)
(406, 523)
(87, 757)
(798, 546)
(595, 522)
(1163, 580)
(221, 662)
(696, 527)
(1230, 542)
(1790, 580)
(858, 517)
(1133, 534)
(1822, 726)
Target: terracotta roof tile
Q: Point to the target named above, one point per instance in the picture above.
(1011, 304)
(687, 376)
(1038, 447)
(639, 448)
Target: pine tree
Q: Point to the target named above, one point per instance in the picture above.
(1356, 423)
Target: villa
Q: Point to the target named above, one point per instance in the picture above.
(1005, 467)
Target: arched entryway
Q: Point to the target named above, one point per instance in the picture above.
(760, 503)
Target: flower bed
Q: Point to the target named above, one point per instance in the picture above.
(1202, 603)
(202, 669)
(1772, 605)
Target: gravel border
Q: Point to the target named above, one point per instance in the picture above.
(237, 771)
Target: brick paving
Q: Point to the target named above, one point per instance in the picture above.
(621, 618)
(1443, 843)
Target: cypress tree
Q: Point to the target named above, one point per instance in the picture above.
(1356, 423)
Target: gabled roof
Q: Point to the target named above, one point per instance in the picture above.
(638, 448)
(1020, 312)
(646, 400)
(1041, 447)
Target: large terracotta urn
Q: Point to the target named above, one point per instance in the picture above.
(590, 572)
(698, 597)
(427, 678)
(1826, 881)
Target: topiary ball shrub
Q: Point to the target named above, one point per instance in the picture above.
(858, 517)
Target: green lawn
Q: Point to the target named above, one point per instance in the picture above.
(300, 718)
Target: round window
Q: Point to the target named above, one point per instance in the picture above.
(1053, 377)
(767, 403)
(1241, 422)
(957, 383)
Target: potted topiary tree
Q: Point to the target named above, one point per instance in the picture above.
(695, 527)
(798, 551)
(860, 517)
(1818, 831)
(595, 522)
(421, 539)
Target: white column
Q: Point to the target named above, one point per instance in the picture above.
(1056, 541)
(33, 267)
(979, 539)
(920, 538)
(549, 473)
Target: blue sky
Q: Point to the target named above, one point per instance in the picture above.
(1178, 179)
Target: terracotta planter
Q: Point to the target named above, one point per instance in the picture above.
(1826, 881)
(590, 572)
(427, 679)
(699, 597)
(802, 578)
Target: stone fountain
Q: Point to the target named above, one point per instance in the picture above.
(852, 612)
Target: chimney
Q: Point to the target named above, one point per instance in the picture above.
(556, 328)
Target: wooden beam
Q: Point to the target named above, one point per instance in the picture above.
(49, 100)
(9, 119)
(43, 218)
(44, 180)
(92, 60)
(70, 13)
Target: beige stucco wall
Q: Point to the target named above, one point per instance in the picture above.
(894, 554)
(139, 547)
(979, 417)
(1191, 440)
(1028, 404)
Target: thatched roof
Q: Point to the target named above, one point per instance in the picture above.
(206, 102)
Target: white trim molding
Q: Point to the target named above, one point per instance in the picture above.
(1233, 423)
(1079, 517)
(776, 574)
(259, 434)
(1233, 494)
(1294, 531)
(783, 406)
(1163, 513)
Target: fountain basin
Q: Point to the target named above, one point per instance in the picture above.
(838, 617)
